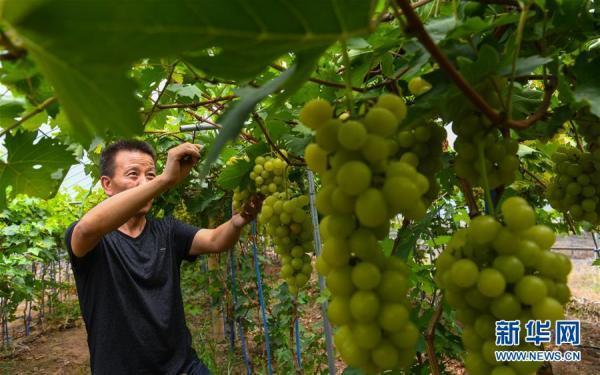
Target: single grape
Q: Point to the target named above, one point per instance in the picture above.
(354, 177)
(464, 273)
(371, 208)
(315, 113)
(418, 86)
(366, 276)
(352, 135)
(364, 306)
(381, 121)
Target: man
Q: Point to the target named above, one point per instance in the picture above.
(126, 265)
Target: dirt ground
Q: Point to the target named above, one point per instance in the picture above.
(61, 351)
(64, 351)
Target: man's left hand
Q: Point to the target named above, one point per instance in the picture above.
(249, 211)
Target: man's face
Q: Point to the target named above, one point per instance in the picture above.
(132, 168)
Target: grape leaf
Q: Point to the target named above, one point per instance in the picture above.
(84, 47)
(34, 169)
(587, 88)
(233, 175)
(9, 109)
(524, 65)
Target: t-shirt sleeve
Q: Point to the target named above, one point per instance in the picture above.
(77, 263)
(183, 235)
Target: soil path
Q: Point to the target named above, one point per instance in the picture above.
(54, 352)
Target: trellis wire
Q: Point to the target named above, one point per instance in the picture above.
(260, 296)
(317, 237)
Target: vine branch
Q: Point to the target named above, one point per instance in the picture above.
(465, 187)
(160, 94)
(247, 137)
(261, 125)
(415, 26)
(430, 337)
(577, 138)
(197, 104)
(534, 177)
(45, 104)
(498, 2)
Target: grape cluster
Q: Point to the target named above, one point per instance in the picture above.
(361, 176)
(482, 154)
(575, 187)
(368, 303)
(240, 196)
(492, 272)
(182, 213)
(288, 224)
(589, 130)
(421, 143)
(364, 185)
(268, 174)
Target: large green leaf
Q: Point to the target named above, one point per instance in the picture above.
(9, 109)
(34, 169)
(233, 120)
(587, 88)
(233, 175)
(85, 47)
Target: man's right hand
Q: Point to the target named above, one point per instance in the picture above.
(180, 161)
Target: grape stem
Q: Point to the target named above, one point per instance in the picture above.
(534, 177)
(484, 177)
(430, 337)
(348, 78)
(577, 138)
(261, 124)
(519, 39)
(468, 193)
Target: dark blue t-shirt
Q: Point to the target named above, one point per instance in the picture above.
(131, 302)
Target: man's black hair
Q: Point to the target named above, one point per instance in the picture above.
(107, 158)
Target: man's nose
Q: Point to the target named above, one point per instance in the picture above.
(142, 180)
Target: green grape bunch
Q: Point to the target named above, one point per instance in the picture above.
(288, 223)
(269, 174)
(361, 176)
(483, 154)
(365, 183)
(491, 272)
(575, 187)
(588, 128)
(240, 196)
(421, 143)
(485, 157)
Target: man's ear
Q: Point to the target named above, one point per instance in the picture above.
(106, 183)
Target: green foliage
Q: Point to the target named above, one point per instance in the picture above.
(34, 169)
(121, 68)
(31, 234)
(78, 45)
